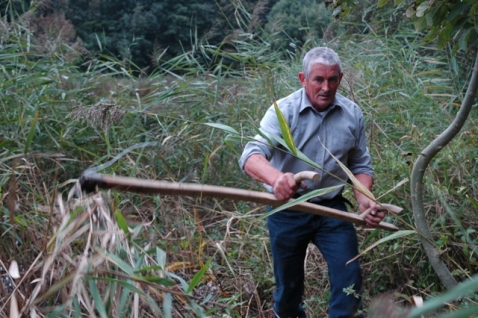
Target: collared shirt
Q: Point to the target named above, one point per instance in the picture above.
(340, 128)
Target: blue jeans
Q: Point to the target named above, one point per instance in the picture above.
(290, 233)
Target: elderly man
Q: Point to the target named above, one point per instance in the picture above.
(318, 118)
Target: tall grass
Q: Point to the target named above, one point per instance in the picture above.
(414, 100)
(116, 254)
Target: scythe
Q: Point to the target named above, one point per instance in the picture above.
(89, 181)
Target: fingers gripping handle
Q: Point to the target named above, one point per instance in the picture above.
(382, 207)
(306, 175)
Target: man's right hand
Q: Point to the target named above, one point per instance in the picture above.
(285, 186)
(261, 170)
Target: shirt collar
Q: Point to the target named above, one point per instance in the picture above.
(305, 103)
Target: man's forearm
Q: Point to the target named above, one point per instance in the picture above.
(367, 181)
(259, 168)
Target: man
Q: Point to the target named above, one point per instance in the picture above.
(318, 118)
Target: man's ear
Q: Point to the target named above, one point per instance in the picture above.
(302, 78)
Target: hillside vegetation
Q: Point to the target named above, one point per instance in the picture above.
(149, 32)
(118, 254)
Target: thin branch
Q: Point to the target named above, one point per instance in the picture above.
(416, 184)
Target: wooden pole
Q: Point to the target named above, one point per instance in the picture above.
(136, 185)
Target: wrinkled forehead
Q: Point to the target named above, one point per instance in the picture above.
(324, 70)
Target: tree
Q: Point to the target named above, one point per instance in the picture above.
(130, 29)
(137, 30)
(291, 23)
(452, 22)
(140, 31)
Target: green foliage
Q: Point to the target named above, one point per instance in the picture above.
(446, 21)
(443, 21)
(291, 26)
(146, 30)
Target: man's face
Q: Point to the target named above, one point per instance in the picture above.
(323, 82)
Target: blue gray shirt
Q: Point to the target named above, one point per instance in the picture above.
(340, 128)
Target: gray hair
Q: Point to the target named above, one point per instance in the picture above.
(320, 55)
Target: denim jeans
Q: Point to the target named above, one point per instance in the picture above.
(290, 233)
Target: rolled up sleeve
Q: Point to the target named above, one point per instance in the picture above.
(268, 126)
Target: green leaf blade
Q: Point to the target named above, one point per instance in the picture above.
(284, 128)
(302, 198)
(31, 132)
(95, 294)
(390, 237)
(422, 8)
(122, 222)
(198, 277)
(128, 269)
(464, 288)
(226, 128)
(382, 3)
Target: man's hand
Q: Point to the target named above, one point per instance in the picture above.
(260, 169)
(285, 186)
(374, 217)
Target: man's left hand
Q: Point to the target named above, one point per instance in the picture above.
(374, 217)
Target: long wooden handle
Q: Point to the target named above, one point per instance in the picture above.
(306, 175)
(198, 190)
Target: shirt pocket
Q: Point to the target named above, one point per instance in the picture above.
(339, 145)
